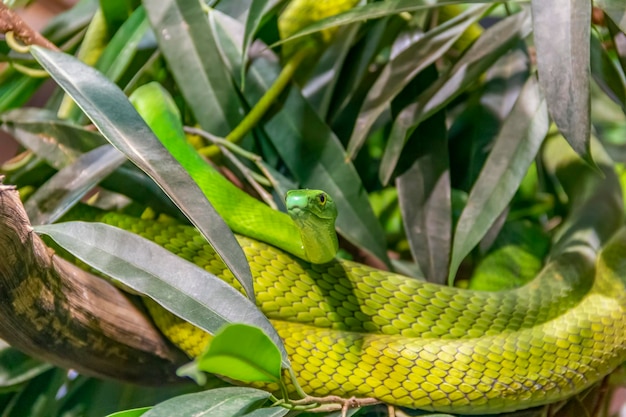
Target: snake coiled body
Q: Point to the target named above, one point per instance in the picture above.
(352, 330)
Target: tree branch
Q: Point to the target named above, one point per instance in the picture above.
(12, 22)
(55, 311)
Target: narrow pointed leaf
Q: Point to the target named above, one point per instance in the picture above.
(514, 150)
(181, 287)
(219, 402)
(402, 68)
(57, 195)
(424, 197)
(109, 109)
(493, 44)
(185, 40)
(561, 33)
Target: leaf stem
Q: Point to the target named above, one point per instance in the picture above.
(263, 105)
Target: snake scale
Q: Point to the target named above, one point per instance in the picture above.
(353, 330)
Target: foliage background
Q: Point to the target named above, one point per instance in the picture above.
(406, 118)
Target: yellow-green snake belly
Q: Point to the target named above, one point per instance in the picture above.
(352, 330)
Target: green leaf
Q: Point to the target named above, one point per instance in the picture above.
(370, 11)
(220, 402)
(17, 368)
(424, 197)
(181, 287)
(119, 52)
(561, 33)
(494, 43)
(38, 398)
(275, 412)
(243, 353)
(186, 41)
(257, 13)
(131, 413)
(403, 67)
(607, 74)
(514, 150)
(63, 190)
(109, 109)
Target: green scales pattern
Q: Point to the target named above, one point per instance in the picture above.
(352, 330)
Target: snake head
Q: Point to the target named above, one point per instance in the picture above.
(311, 202)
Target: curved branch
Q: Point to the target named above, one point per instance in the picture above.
(53, 310)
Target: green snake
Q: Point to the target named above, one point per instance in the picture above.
(353, 330)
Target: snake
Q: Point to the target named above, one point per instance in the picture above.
(353, 330)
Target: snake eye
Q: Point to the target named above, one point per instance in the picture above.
(321, 198)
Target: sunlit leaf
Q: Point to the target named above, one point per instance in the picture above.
(243, 353)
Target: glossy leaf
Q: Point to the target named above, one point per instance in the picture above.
(257, 12)
(243, 353)
(118, 121)
(63, 190)
(181, 287)
(514, 150)
(186, 41)
(220, 402)
(563, 66)
(494, 43)
(403, 67)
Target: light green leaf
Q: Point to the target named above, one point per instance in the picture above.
(109, 109)
(181, 287)
(220, 402)
(514, 150)
(561, 33)
(136, 412)
(243, 353)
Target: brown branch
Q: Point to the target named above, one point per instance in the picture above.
(12, 22)
(55, 311)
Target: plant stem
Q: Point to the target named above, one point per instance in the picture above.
(262, 106)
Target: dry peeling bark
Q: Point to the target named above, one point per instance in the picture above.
(53, 310)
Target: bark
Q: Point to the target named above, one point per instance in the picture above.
(55, 311)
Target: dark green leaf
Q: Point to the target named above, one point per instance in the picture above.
(220, 402)
(17, 368)
(62, 191)
(243, 353)
(403, 67)
(38, 398)
(494, 43)
(186, 41)
(424, 196)
(180, 286)
(117, 120)
(608, 75)
(257, 12)
(561, 32)
(513, 152)
(274, 412)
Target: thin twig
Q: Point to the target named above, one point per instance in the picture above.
(12, 22)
